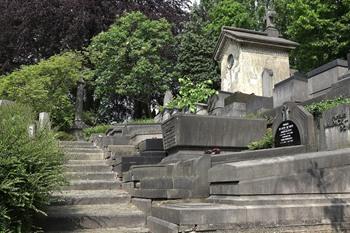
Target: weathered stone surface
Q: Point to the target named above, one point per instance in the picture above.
(151, 145)
(293, 89)
(140, 171)
(145, 205)
(157, 225)
(244, 74)
(105, 141)
(279, 166)
(127, 162)
(153, 153)
(322, 78)
(259, 154)
(313, 181)
(139, 137)
(201, 132)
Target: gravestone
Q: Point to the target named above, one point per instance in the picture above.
(31, 130)
(287, 134)
(294, 125)
(44, 120)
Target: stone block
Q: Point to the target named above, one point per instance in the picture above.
(156, 225)
(105, 141)
(145, 205)
(127, 162)
(259, 154)
(137, 138)
(153, 153)
(278, 166)
(313, 181)
(141, 171)
(117, 151)
(151, 145)
(203, 132)
(132, 129)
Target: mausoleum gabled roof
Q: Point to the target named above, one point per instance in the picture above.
(246, 36)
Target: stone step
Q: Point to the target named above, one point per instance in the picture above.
(87, 168)
(156, 225)
(65, 218)
(84, 156)
(86, 162)
(82, 150)
(76, 144)
(89, 197)
(93, 185)
(90, 175)
(209, 216)
(278, 199)
(108, 230)
(161, 193)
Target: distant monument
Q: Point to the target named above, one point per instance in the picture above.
(79, 124)
(253, 62)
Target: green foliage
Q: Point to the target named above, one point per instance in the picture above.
(30, 169)
(265, 143)
(46, 86)
(64, 136)
(98, 129)
(230, 13)
(190, 94)
(130, 58)
(318, 108)
(142, 121)
(321, 28)
(194, 60)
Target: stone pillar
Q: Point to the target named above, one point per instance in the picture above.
(79, 124)
(44, 121)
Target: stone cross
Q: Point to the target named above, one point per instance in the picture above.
(285, 113)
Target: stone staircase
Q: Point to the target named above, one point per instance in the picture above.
(93, 201)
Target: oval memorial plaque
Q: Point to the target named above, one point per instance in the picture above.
(287, 134)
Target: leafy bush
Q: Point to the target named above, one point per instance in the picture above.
(30, 169)
(64, 136)
(47, 86)
(318, 108)
(265, 143)
(142, 121)
(190, 94)
(95, 130)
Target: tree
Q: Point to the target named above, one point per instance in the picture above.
(47, 86)
(133, 59)
(321, 28)
(33, 30)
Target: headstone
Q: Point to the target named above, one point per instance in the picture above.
(294, 125)
(168, 97)
(44, 120)
(287, 134)
(31, 130)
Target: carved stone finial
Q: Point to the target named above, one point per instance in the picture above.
(270, 23)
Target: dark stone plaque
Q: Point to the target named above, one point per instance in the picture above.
(287, 134)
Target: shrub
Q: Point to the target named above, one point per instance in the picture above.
(95, 130)
(47, 86)
(30, 169)
(318, 108)
(64, 136)
(265, 143)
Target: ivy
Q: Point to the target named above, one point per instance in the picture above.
(318, 108)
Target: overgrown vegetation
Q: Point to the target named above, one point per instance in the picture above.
(48, 86)
(190, 94)
(265, 143)
(98, 129)
(142, 121)
(30, 169)
(318, 108)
